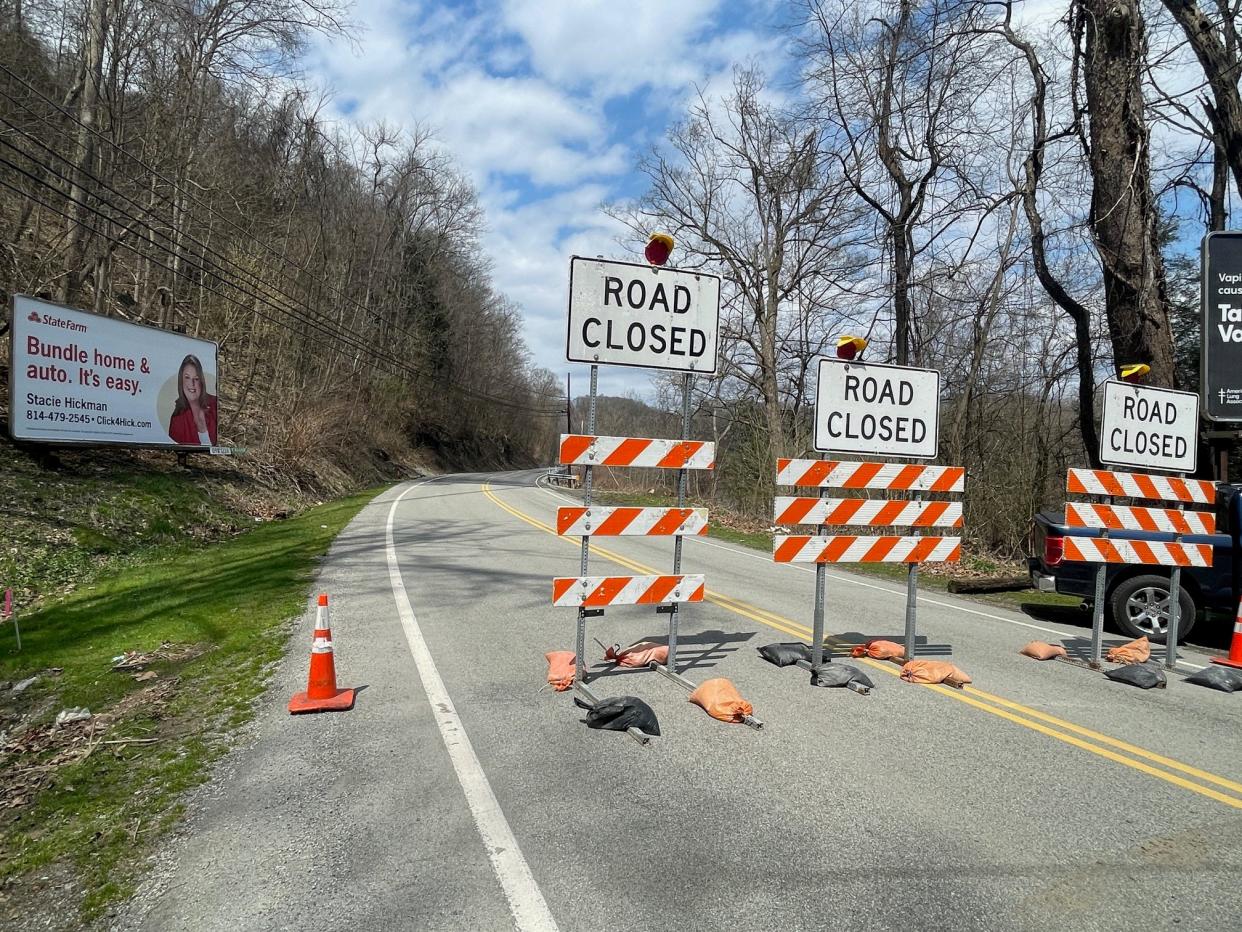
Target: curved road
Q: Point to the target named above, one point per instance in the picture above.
(458, 796)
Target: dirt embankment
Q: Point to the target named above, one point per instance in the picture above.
(70, 514)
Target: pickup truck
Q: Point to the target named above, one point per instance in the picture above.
(1138, 596)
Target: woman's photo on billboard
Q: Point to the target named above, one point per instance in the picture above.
(193, 421)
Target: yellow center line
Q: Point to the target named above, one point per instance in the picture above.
(1007, 709)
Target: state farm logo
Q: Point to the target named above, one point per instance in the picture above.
(37, 318)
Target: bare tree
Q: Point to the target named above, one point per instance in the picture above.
(1214, 39)
(744, 191)
(893, 83)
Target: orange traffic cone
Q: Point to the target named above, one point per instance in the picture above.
(321, 693)
(1235, 646)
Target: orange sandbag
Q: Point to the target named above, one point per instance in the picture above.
(879, 650)
(720, 699)
(1040, 650)
(1135, 652)
(560, 669)
(638, 655)
(934, 671)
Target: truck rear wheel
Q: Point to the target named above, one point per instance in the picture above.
(1141, 607)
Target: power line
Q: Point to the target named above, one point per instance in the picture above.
(343, 333)
(169, 250)
(156, 173)
(182, 256)
(549, 411)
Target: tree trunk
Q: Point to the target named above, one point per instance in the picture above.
(1218, 210)
(1123, 211)
(769, 383)
(902, 311)
(96, 32)
(1032, 170)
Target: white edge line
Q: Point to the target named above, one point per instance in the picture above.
(526, 903)
(923, 599)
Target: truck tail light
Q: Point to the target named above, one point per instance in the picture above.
(1054, 550)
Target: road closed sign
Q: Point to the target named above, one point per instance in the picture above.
(876, 409)
(1151, 428)
(627, 314)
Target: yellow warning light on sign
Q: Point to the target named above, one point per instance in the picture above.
(659, 247)
(1134, 372)
(850, 347)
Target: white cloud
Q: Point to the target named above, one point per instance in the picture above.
(520, 93)
(610, 46)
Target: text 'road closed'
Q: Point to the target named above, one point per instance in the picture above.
(876, 409)
(1150, 428)
(637, 315)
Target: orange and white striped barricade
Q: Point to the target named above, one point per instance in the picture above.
(590, 520)
(823, 548)
(1110, 518)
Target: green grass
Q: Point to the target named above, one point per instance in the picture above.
(64, 527)
(232, 598)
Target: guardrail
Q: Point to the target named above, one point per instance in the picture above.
(568, 480)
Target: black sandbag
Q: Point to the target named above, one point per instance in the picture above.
(1143, 675)
(620, 713)
(1217, 677)
(785, 654)
(840, 674)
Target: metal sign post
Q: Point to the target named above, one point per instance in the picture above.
(1097, 609)
(587, 474)
(817, 618)
(683, 476)
(1175, 609)
(912, 608)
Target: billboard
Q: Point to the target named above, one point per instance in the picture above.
(1221, 270)
(76, 377)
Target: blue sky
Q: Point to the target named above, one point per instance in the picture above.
(546, 107)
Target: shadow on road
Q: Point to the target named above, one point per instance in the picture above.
(701, 651)
(1212, 630)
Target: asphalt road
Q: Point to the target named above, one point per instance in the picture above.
(458, 796)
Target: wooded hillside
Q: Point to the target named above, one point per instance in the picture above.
(164, 163)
